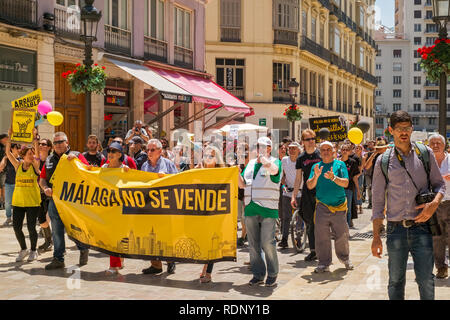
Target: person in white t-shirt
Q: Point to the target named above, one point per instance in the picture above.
(288, 180)
(437, 144)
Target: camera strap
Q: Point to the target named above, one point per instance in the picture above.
(402, 162)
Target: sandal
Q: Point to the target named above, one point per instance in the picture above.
(205, 279)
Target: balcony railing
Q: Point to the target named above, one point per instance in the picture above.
(315, 48)
(117, 40)
(338, 106)
(330, 104)
(312, 100)
(65, 27)
(321, 102)
(155, 49)
(21, 13)
(281, 95)
(238, 92)
(184, 57)
(344, 108)
(326, 4)
(230, 34)
(303, 97)
(285, 37)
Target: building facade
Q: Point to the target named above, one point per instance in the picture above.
(255, 47)
(414, 28)
(43, 36)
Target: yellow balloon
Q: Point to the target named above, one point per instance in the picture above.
(55, 118)
(355, 135)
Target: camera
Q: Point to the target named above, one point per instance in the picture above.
(433, 221)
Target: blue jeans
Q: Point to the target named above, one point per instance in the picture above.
(9, 190)
(349, 195)
(59, 243)
(360, 183)
(261, 237)
(400, 242)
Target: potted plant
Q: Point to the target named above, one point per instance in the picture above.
(436, 59)
(83, 79)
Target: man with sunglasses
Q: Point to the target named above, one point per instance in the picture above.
(408, 230)
(305, 162)
(160, 165)
(61, 147)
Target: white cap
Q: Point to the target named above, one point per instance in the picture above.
(294, 144)
(326, 143)
(265, 141)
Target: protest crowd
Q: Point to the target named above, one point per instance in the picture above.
(327, 182)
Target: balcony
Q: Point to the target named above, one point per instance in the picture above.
(281, 95)
(117, 40)
(325, 4)
(312, 100)
(155, 49)
(427, 4)
(184, 57)
(21, 13)
(289, 38)
(230, 34)
(238, 92)
(431, 84)
(336, 12)
(65, 27)
(314, 48)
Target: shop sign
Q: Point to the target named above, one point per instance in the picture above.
(336, 126)
(176, 97)
(17, 65)
(116, 97)
(262, 121)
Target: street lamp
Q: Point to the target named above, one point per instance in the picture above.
(293, 85)
(357, 111)
(90, 17)
(441, 15)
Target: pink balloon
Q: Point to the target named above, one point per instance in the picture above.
(44, 107)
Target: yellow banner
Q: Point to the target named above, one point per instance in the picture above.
(23, 116)
(188, 217)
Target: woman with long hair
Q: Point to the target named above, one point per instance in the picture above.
(26, 199)
(45, 148)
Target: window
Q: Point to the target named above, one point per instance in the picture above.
(379, 120)
(416, 54)
(281, 78)
(397, 93)
(417, 93)
(313, 30)
(154, 24)
(337, 41)
(378, 93)
(415, 121)
(116, 13)
(417, 27)
(431, 28)
(432, 121)
(304, 23)
(361, 17)
(429, 14)
(378, 66)
(397, 80)
(396, 66)
(432, 94)
(431, 108)
(378, 79)
(417, 80)
(68, 3)
(397, 53)
(361, 57)
(417, 67)
(397, 106)
(430, 41)
(417, 107)
(286, 14)
(230, 75)
(417, 2)
(417, 41)
(322, 34)
(230, 20)
(417, 14)
(182, 30)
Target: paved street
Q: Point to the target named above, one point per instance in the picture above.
(296, 279)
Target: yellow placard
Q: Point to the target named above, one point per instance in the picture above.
(30, 101)
(189, 217)
(23, 116)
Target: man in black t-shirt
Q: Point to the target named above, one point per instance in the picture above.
(93, 157)
(307, 204)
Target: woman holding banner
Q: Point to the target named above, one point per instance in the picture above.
(27, 196)
(212, 159)
(115, 160)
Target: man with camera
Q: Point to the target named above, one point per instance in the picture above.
(407, 181)
(137, 131)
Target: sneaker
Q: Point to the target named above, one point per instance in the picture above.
(206, 278)
(271, 281)
(84, 256)
(369, 206)
(171, 267)
(348, 265)
(442, 273)
(255, 282)
(283, 244)
(240, 242)
(112, 270)
(152, 270)
(311, 257)
(55, 264)
(33, 256)
(22, 255)
(322, 269)
(8, 222)
(46, 246)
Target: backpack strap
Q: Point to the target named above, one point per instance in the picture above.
(424, 156)
(385, 158)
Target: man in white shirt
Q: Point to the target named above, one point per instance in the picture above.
(288, 180)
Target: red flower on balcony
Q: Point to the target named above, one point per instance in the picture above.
(103, 68)
(78, 64)
(436, 59)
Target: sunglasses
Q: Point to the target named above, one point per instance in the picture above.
(309, 139)
(59, 142)
(112, 150)
(118, 141)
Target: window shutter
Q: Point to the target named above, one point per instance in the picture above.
(230, 13)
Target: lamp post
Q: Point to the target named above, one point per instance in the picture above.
(357, 111)
(90, 17)
(441, 15)
(293, 85)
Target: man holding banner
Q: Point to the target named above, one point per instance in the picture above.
(61, 145)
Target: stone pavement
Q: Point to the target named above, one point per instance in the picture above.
(296, 279)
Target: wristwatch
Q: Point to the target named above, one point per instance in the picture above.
(334, 178)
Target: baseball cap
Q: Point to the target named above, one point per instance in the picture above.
(381, 144)
(294, 144)
(265, 141)
(137, 140)
(116, 145)
(326, 143)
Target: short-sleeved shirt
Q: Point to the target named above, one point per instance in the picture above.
(353, 170)
(253, 209)
(289, 171)
(305, 162)
(10, 172)
(327, 191)
(95, 160)
(163, 165)
(131, 132)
